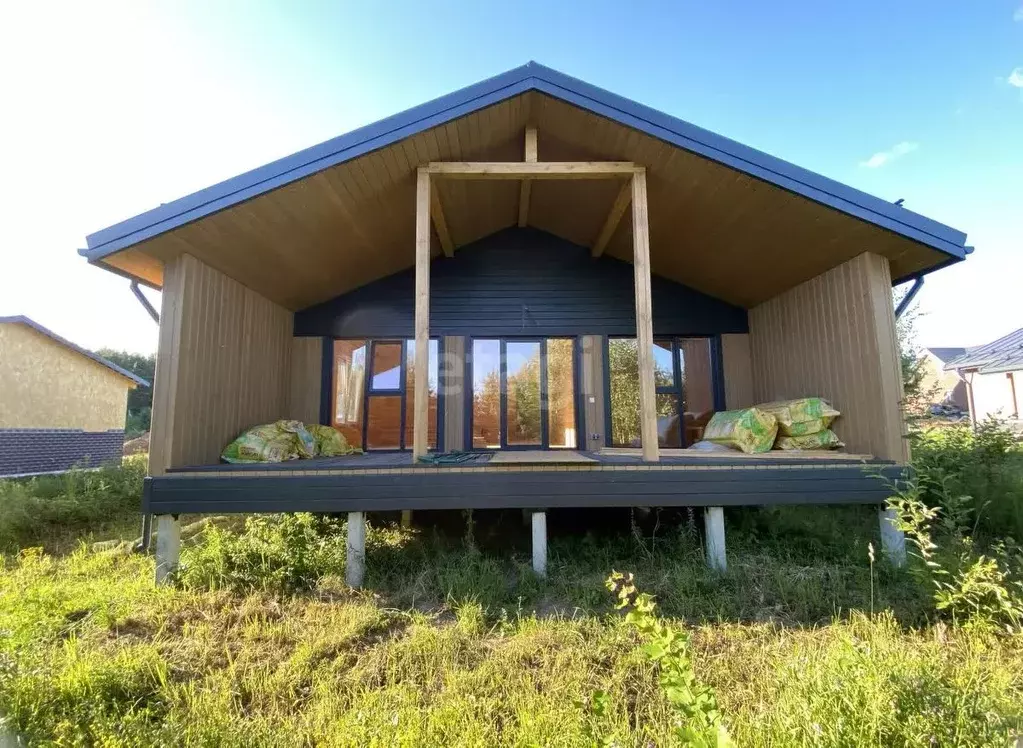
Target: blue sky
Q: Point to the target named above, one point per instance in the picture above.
(115, 107)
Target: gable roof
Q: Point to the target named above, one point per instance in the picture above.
(45, 331)
(1002, 355)
(931, 245)
(944, 355)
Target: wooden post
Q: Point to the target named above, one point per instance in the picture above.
(422, 361)
(355, 549)
(714, 537)
(168, 547)
(406, 518)
(540, 543)
(526, 187)
(893, 541)
(644, 319)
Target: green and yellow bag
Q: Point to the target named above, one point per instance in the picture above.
(805, 415)
(751, 429)
(329, 441)
(826, 439)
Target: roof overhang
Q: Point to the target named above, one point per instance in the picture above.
(340, 214)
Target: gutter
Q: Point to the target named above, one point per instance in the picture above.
(144, 301)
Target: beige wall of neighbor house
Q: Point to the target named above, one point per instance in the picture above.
(834, 336)
(45, 385)
(996, 394)
(948, 386)
(224, 364)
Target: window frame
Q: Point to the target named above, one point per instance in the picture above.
(577, 398)
(327, 407)
(678, 389)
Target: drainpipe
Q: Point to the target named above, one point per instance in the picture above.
(147, 519)
(918, 283)
(144, 301)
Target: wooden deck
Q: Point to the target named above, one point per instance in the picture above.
(529, 480)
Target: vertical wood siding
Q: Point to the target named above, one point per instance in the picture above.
(593, 393)
(452, 383)
(223, 365)
(306, 379)
(738, 371)
(834, 336)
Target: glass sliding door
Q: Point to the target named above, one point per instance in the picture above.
(523, 409)
(523, 394)
(684, 381)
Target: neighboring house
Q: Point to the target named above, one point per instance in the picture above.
(948, 387)
(61, 406)
(994, 377)
(561, 281)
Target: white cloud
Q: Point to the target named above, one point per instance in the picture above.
(1016, 78)
(881, 158)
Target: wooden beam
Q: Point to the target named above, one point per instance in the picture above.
(539, 170)
(613, 219)
(422, 358)
(526, 187)
(644, 319)
(441, 224)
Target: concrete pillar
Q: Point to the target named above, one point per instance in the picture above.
(406, 518)
(355, 561)
(540, 543)
(168, 546)
(893, 541)
(714, 532)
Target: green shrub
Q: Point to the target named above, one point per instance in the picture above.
(55, 510)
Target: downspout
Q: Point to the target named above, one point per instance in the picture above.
(144, 301)
(147, 519)
(918, 283)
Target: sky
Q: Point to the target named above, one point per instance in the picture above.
(111, 108)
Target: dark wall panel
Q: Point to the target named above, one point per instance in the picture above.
(520, 282)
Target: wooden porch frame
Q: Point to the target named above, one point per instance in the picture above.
(635, 191)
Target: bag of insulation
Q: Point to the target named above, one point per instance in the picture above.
(271, 442)
(826, 439)
(751, 430)
(329, 441)
(806, 415)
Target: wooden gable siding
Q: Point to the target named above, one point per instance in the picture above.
(223, 364)
(834, 336)
(520, 282)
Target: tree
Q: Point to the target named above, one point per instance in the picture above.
(140, 399)
(917, 396)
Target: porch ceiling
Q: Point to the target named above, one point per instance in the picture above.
(713, 227)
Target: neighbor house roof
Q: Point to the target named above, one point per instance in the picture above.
(22, 320)
(308, 205)
(1002, 355)
(944, 355)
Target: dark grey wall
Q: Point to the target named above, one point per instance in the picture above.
(520, 282)
(50, 450)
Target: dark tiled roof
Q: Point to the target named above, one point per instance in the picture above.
(22, 320)
(1004, 354)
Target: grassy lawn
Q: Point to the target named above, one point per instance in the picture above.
(262, 644)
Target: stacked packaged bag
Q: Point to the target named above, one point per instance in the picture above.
(804, 423)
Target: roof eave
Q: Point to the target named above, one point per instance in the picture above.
(529, 77)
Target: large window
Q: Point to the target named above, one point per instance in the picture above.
(376, 411)
(523, 394)
(683, 376)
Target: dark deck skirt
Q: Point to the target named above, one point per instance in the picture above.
(606, 484)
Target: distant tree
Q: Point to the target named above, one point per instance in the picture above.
(140, 399)
(913, 363)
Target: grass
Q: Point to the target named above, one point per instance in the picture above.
(262, 644)
(57, 512)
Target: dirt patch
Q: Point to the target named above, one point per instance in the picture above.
(138, 445)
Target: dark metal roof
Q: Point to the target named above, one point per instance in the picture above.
(944, 355)
(529, 77)
(22, 320)
(1002, 355)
